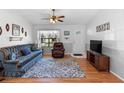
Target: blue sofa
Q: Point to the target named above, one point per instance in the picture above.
(17, 67)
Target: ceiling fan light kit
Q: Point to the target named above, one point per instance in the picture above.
(52, 21)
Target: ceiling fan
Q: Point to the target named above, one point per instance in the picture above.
(53, 18)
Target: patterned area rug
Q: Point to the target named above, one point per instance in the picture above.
(50, 68)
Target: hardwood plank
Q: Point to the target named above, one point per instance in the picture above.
(92, 75)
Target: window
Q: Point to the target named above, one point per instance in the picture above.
(47, 38)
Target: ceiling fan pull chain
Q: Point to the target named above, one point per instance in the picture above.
(53, 12)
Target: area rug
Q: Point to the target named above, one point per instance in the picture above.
(50, 68)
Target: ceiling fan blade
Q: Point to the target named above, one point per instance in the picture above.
(45, 19)
(61, 16)
(60, 20)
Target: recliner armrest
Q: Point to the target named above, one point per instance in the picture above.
(63, 49)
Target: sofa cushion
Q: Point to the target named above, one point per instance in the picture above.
(18, 52)
(25, 59)
(37, 52)
(12, 56)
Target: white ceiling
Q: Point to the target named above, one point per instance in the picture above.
(72, 16)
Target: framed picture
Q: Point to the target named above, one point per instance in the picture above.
(78, 32)
(7, 27)
(22, 30)
(25, 34)
(66, 33)
(15, 38)
(0, 30)
(15, 30)
(103, 27)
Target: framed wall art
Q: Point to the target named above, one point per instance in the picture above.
(7, 27)
(15, 38)
(78, 32)
(25, 34)
(66, 33)
(103, 27)
(15, 30)
(0, 30)
(22, 30)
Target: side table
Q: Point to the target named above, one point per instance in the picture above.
(1, 77)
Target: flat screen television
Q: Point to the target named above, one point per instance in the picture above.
(96, 45)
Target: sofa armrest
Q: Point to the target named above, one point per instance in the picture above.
(11, 61)
(11, 64)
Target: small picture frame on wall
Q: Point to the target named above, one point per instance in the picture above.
(0, 30)
(78, 32)
(7, 27)
(66, 33)
(15, 30)
(25, 34)
(22, 30)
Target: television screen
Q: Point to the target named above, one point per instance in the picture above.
(96, 45)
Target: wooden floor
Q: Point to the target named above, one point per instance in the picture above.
(92, 76)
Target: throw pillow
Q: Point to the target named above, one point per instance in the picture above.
(12, 56)
(26, 51)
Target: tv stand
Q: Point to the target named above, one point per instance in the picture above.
(99, 61)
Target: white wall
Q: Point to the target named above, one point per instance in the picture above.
(12, 18)
(113, 40)
(75, 43)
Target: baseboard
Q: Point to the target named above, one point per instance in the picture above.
(68, 53)
(83, 56)
(51, 53)
(117, 75)
(65, 53)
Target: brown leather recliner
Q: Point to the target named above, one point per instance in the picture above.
(58, 50)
